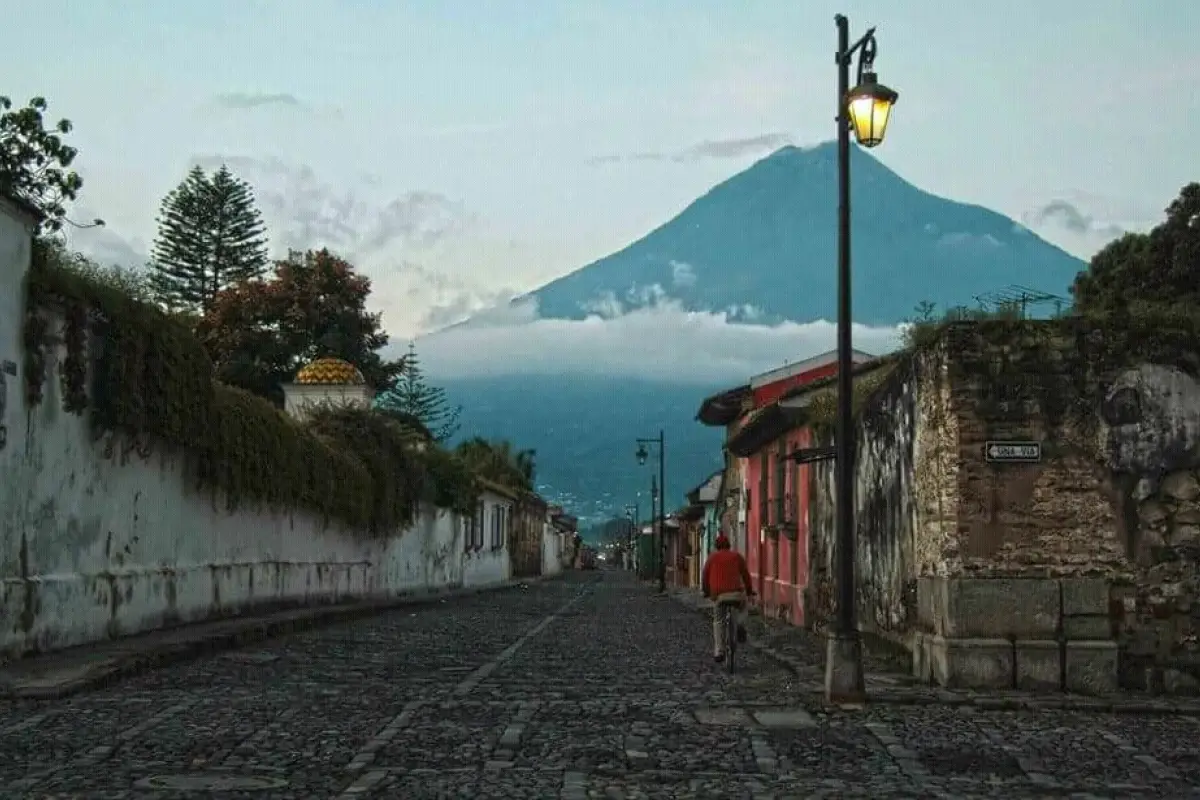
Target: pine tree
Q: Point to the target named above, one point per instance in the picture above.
(412, 396)
(210, 237)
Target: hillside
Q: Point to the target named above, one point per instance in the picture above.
(585, 429)
(762, 245)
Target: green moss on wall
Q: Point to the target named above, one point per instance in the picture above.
(152, 385)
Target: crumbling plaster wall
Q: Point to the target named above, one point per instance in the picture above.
(93, 546)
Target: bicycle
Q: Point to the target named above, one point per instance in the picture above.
(727, 608)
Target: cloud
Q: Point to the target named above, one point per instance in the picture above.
(105, 244)
(1069, 216)
(419, 218)
(682, 274)
(302, 211)
(248, 100)
(735, 148)
(662, 341)
(709, 149)
(960, 240)
(456, 306)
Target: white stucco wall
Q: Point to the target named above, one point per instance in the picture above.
(92, 548)
(14, 261)
(487, 565)
(299, 399)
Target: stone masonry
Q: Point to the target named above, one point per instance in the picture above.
(1078, 572)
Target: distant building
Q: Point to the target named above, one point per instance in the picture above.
(326, 381)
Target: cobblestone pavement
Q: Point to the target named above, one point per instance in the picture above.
(589, 686)
(889, 678)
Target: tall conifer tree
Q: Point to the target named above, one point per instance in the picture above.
(412, 396)
(210, 237)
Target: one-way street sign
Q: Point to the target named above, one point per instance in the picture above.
(1013, 452)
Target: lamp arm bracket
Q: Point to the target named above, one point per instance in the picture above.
(866, 43)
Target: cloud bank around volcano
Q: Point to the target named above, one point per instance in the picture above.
(663, 341)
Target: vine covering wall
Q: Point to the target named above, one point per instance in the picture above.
(143, 380)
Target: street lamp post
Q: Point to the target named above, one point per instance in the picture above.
(656, 534)
(866, 109)
(631, 511)
(642, 455)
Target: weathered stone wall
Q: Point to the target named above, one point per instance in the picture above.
(1026, 574)
(1053, 517)
(904, 496)
(525, 536)
(1114, 501)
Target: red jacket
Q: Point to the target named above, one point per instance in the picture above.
(725, 571)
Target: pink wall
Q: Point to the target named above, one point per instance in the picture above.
(754, 541)
(779, 564)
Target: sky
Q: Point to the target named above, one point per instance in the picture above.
(463, 151)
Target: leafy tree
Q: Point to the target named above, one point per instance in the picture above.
(926, 324)
(1158, 269)
(260, 332)
(924, 311)
(35, 162)
(210, 237)
(499, 461)
(412, 395)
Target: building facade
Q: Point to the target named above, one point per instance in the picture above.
(764, 496)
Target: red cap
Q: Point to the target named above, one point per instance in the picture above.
(722, 541)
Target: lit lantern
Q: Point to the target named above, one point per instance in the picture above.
(869, 105)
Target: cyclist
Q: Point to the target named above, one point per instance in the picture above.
(726, 579)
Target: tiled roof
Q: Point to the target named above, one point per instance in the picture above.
(330, 372)
(724, 407)
(762, 427)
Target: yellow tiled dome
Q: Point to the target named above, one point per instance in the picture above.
(330, 371)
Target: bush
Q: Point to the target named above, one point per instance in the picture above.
(152, 385)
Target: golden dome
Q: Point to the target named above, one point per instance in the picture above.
(330, 372)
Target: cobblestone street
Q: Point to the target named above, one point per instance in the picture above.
(588, 686)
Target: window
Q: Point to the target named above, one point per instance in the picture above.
(764, 485)
(477, 527)
(781, 491)
(783, 494)
(498, 514)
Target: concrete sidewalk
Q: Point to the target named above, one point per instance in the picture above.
(803, 653)
(65, 672)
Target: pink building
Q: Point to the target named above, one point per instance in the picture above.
(763, 432)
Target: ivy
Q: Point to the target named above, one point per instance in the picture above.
(75, 364)
(1060, 369)
(821, 412)
(34, 339)
(1057, 369)
(152, 388)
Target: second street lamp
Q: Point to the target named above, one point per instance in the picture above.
(661, 543)
(631, 511)
(866, 109)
